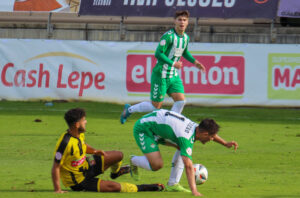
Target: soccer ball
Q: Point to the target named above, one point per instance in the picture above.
(201, 173)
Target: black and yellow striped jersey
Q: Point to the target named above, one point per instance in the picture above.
(70, 152)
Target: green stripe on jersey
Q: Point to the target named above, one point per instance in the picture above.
(172, 46)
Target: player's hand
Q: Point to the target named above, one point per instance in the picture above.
(232, 143)
(196, 193)
(200, 66)
(60, 191)
(100, 152)
(178, 64)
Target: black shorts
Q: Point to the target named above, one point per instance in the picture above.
(90, 182)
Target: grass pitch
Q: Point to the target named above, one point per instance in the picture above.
(266, 165)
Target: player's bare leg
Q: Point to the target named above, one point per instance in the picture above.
(151, 161)
(113, 159)
(110, 186)
(157, 105)
(155, 160)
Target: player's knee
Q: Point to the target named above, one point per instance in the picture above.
(110, 187)
(116, 155)
(119, 155)
(157, 165)
(157, 105)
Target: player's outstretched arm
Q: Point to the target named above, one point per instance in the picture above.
(190, 174)
(200, 66)
(55, 178)
(188, 56)
(225, 143)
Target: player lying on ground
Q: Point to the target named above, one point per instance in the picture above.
(79, 172)
(165, 79)
(172, 129)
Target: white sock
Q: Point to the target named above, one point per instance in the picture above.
(142, 107)
(141, 161)
(177, 169)
(178, 106)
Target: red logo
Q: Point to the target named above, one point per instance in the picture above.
(78, 162)
(41, 77)
(224, 75)
(261, 1)
(286, 77)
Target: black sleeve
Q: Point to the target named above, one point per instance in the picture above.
(61, 148)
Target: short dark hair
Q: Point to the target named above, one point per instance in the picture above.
(182, 13)
(209, 125)
(74, 115)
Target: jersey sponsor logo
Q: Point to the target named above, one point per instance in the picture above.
(78, 162)
(58, 155)
(189, 151)
(162, 42)
(179, 52)
(225, 74)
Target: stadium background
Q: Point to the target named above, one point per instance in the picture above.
(38, 37)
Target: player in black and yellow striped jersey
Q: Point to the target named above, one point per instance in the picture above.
(79, 172)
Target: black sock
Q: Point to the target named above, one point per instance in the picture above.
(148, 187)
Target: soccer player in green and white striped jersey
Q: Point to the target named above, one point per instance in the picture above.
(165, 80)
(172, 129)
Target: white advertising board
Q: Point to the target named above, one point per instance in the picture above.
(237, 74)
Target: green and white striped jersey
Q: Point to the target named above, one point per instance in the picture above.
(170, 49)
(171, 127)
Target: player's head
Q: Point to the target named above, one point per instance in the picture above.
(75, 118)
(207, 129)
(184, 13)
(181, 20)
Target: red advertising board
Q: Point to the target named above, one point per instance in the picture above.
(225, 74)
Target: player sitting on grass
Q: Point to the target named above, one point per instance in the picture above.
(172, 129)
(79, 172)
